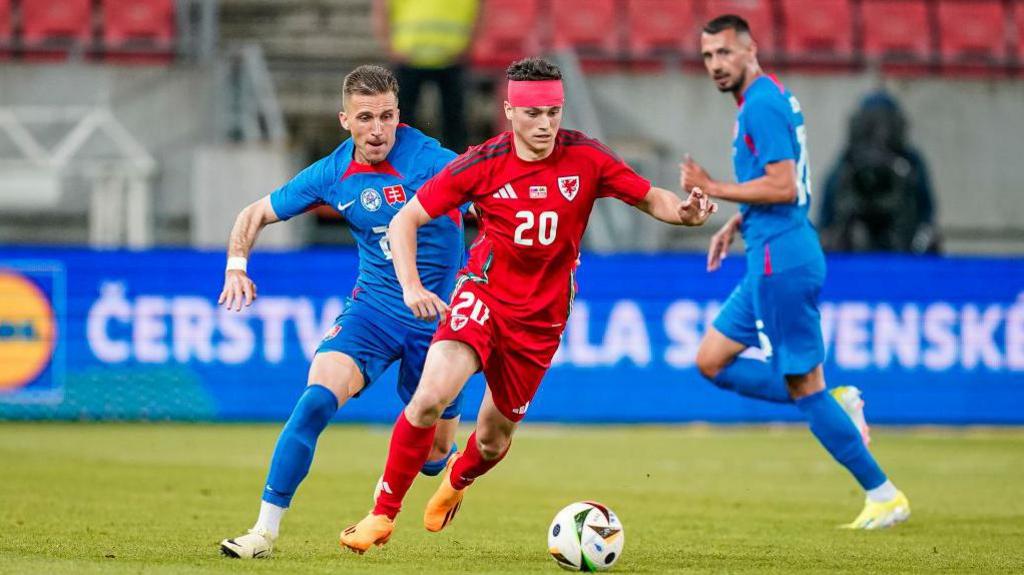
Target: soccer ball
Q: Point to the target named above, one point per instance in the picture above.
(586, 536)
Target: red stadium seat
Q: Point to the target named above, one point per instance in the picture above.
(587, 26)
(896, 29)
(972, 30)
(508, 30)
(142, 23)
(1019, 17)
(757, 13)
(662, 26)
(6, 26)
(56, 24)
(818, 29)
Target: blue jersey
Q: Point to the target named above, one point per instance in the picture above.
(770, 128)
(368, 196)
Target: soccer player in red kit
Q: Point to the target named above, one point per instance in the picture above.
(533, 189)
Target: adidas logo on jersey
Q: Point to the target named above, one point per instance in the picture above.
(521, 410)
(505, 193)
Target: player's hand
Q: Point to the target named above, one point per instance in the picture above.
(692, 175)
(720, 243)
(425, 304)
(696, 208)
(238, 289)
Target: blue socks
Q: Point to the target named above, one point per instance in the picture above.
(753, 378)
(297, 442)
(829, 423)
(294, 451)
(838, 434)
(432, 468)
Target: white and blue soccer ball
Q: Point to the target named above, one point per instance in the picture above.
(586, 536)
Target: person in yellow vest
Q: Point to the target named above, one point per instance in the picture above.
(427, 41)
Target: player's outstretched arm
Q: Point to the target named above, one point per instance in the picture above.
(667, 207)
(239, 288)
(424, 304)
(777, 186)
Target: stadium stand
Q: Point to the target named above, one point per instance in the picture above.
(142, 25)
(6, 26)
(798, 31)
(661, 27)
(588, 26)
(53, 27)
(818, 29)
(896, 30)
(972, 31)
(1019, 29)
(758, 13)
(968, 35)
(508, 29)
(310, 44)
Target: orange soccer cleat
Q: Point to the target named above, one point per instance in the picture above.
(371, 530)
(445, 502)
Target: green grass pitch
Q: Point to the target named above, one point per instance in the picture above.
(133, 498)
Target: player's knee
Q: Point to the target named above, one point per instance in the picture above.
(340, 389)
(492, 447)
(426, 407)
(802, 386)
(492, 450)
(338, 373)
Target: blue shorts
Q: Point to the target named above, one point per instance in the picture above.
(375, 341)
(778, 313)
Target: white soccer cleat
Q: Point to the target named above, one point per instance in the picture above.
(848, 397)
(256, 544)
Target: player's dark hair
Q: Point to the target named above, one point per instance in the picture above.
(727, 22)
(369, 80)
(533, 69)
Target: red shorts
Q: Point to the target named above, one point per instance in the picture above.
(514, 358)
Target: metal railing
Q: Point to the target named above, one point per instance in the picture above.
(120, 206)
(251, 111)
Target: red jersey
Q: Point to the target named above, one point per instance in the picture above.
(532, 217)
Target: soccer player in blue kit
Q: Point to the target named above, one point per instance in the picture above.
(368, 178)
(775, 307)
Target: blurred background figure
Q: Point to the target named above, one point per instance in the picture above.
(878, 196)
(427, 42)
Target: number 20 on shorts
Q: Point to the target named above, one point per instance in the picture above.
(478, 310)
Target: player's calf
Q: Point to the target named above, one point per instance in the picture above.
(480, 457)
(431, 468)
(434, 467)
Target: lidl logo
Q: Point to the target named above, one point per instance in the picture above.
(28, 331)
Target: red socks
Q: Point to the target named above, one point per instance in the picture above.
(410, 447)
(471, 464)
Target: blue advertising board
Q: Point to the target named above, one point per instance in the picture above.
(90, 334)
